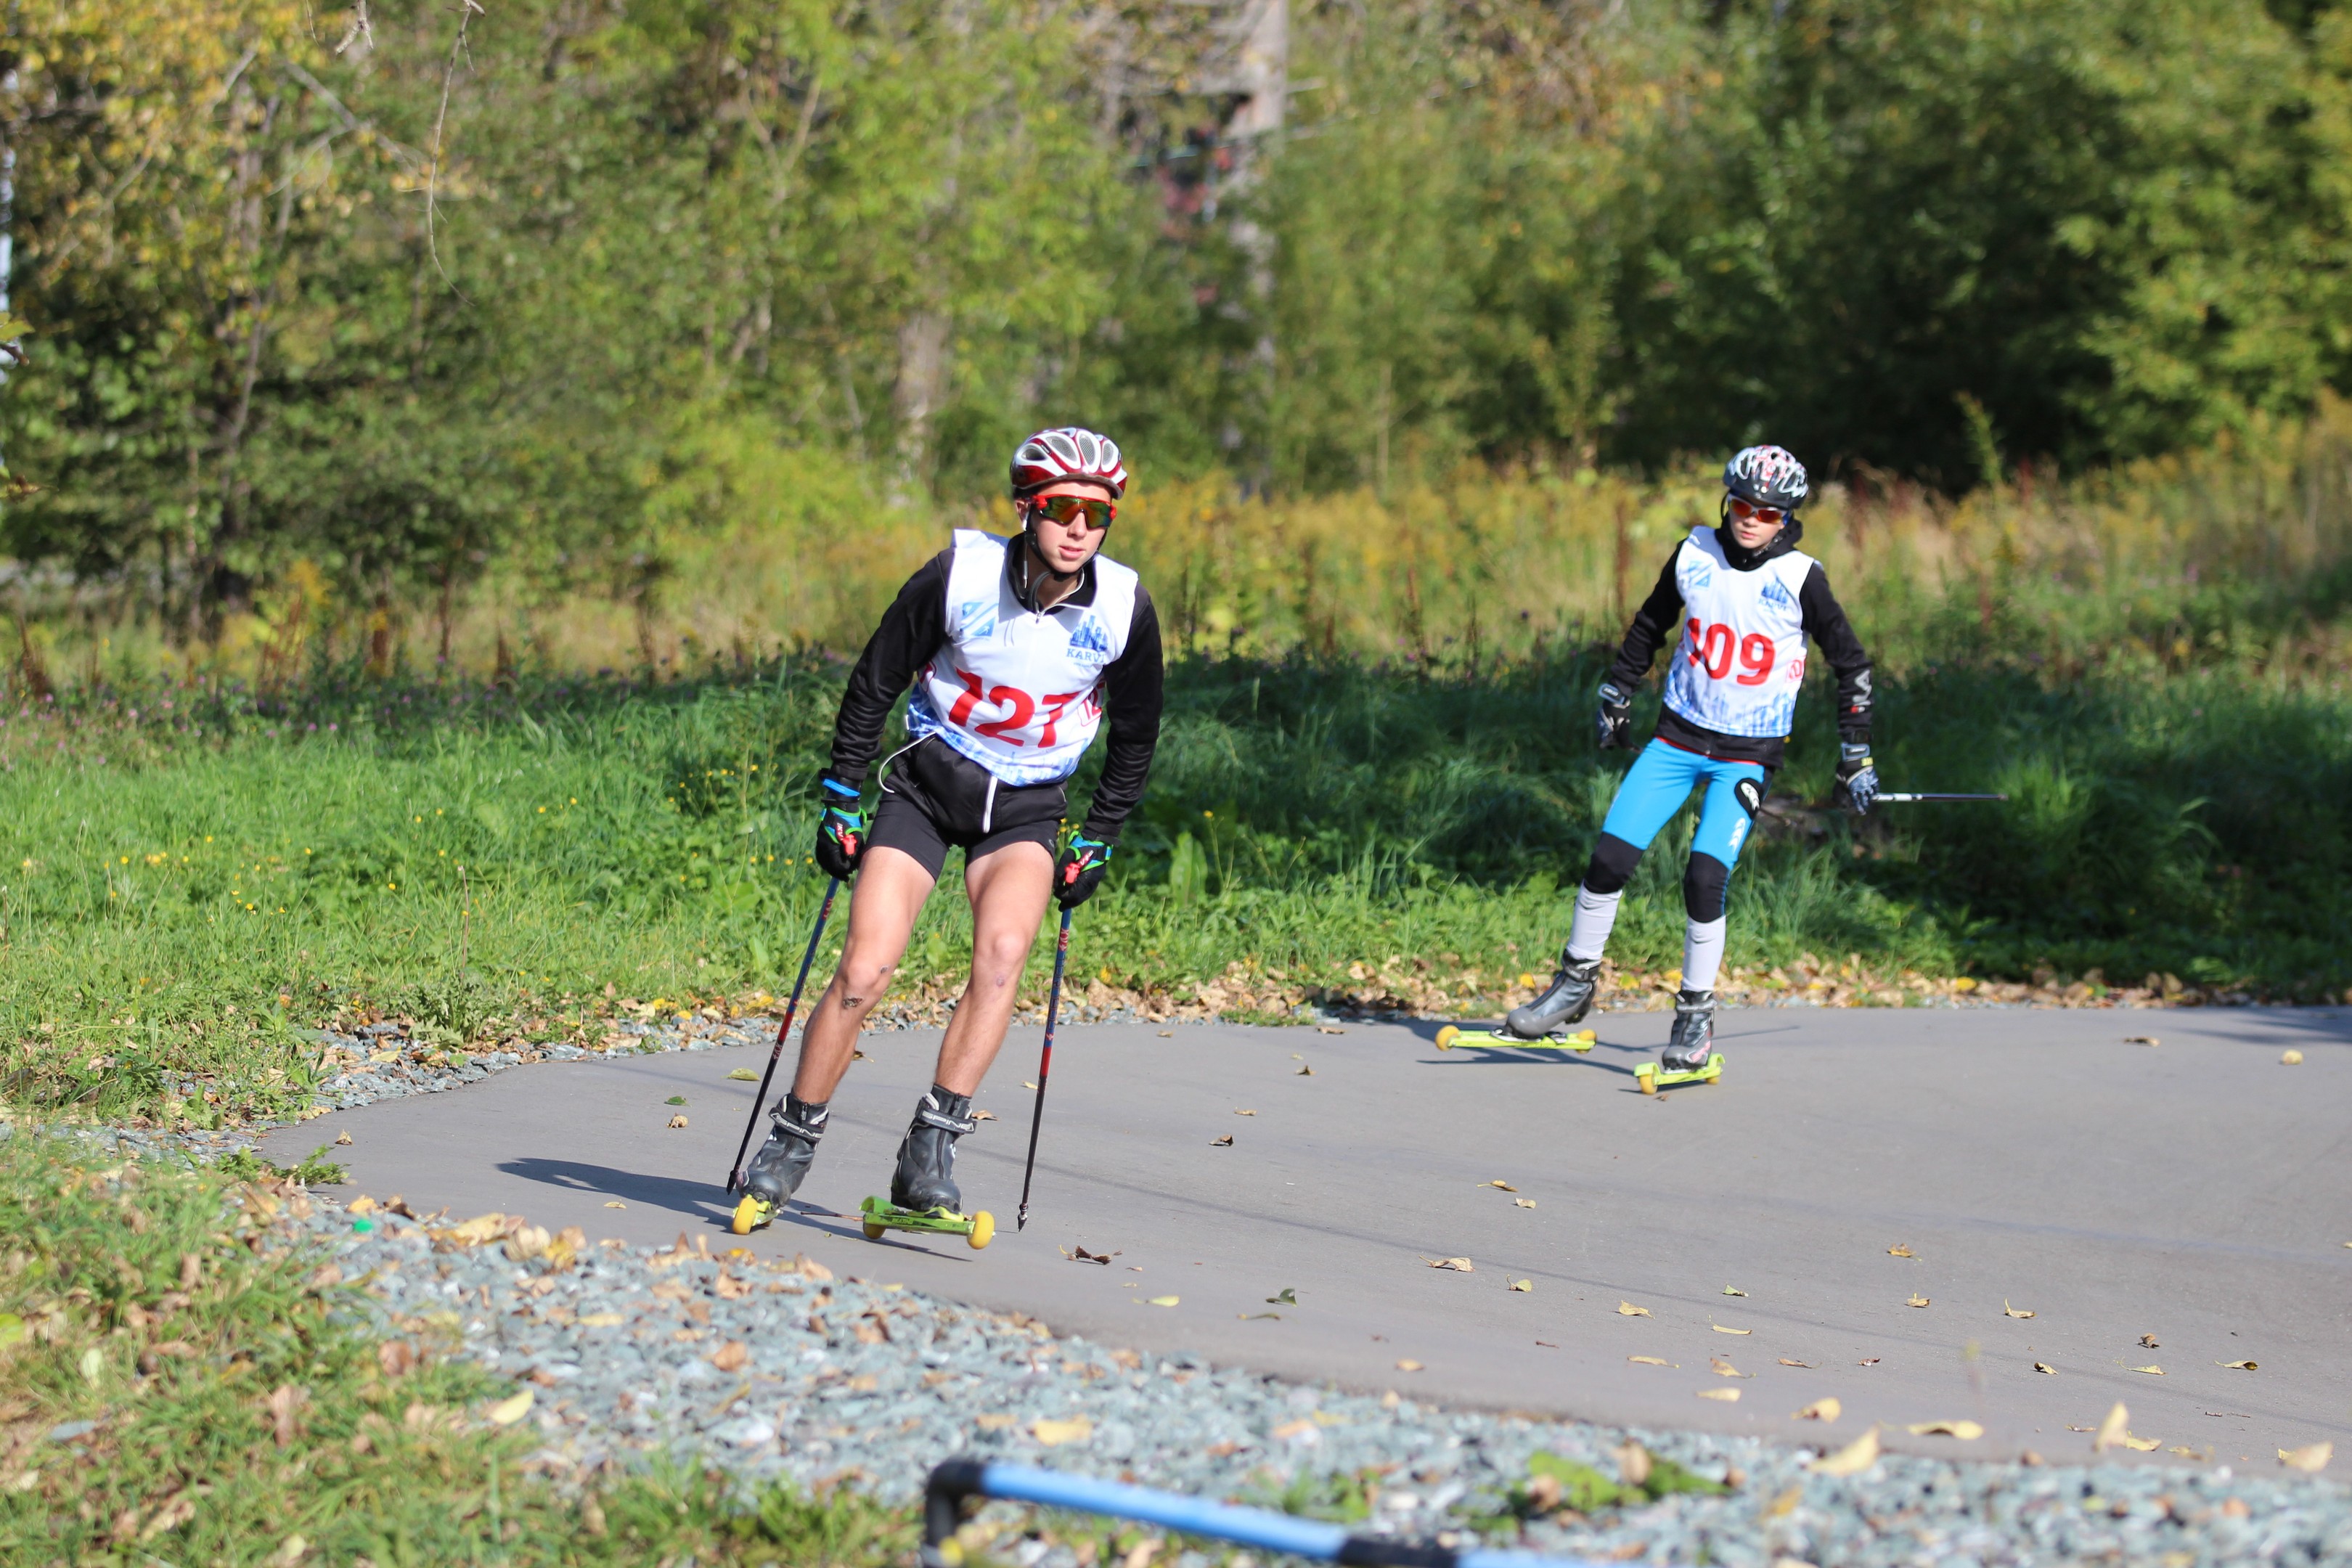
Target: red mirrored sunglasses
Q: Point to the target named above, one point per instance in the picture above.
(1068, 509)
(1746, 510)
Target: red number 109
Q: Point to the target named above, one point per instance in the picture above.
(1711, 647)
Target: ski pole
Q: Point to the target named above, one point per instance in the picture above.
(1044, 1066)
(735, 1176)
(1920, 799)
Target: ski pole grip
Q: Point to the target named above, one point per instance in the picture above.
(943, 1497)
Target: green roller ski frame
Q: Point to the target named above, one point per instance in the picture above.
(1450, 1036)
(978, 1229)
(1653, 1078)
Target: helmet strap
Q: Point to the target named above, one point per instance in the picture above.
(1032, 561)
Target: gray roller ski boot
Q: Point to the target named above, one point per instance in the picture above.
(776, 1170)
(925, 1179)
(1694, 1037)
(1573, 984)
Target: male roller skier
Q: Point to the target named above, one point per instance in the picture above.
(1747, 599)
(1015, 648)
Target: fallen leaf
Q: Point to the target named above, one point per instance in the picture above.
(1627, 1309)
(360, 1205)
(2044, 1367)
(1459, 1265)
(1245, 1113)
(674, 1099)
(1850, 1460)
(1053, 1434)
(730, 1356)
(2237, 1365)
(600, 1320)
(1786, 1361)
(2008, 1312)
(289, 1551)
(1900, 1249)
(1523, 1285)
(1408, 1365)
(507, 1412)
(1729, 1291)
(2111, 1430)
(983, 1116)
(2149, 1342)
(1719, 1329)
(1305, 1072)
(1916, 1301)
(1966, 1431)
(1724, 1368)
(2311, 1459)
(1163, 1300)
(1867, 1361)
(1329, 1029)
(1547, 1344)
(1728, 1395)
(1634, 1463)
(1290, 1297)
(2142, 1040)
(1083, 1255)
(1253, 1317)
(1826, 1408)
(343, 1139)
(1027, 1085)
(678, 1121)
(2292, 1060)
(2151, 1371)
(1505, 1185)
(1224, 1142)
(995, 1421)
(743, 1075)
(1291, 1430)
(1524, 1202)
(1649, 1361)
(2184, 1453)
(616, 1204)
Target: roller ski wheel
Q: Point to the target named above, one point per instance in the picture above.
(876, 1216)
(751, 1214)
(1653, 1078)
(1451, 1037)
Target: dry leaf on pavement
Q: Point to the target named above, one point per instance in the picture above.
(1850, 1460)
(1627, 1309)
(1719, 1329)
(1524, 1202)
(743, 1075)
(2237, 1365)
(1224, 1142)
(1499, 1183)
(507, 1412)
(2149, 1342)
(1408, 1365)
(1729, 1291)
(1459, 1265)
(1966, 1431)
(1728, 1395)
(1648, 1361)
(2312, 1460)
(1916, 1301)
(1823, 1409)
(1786, 1361)
(678, 1121)
(1724, 1368)
(2008, 1312)
(1163, 1300)
(1527, 1285)
(2043, 1366)
(2151, 1371)
(1901, 1249)
(1053, 1434)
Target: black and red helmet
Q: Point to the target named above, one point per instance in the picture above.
(1069, 455)
(1766, 476)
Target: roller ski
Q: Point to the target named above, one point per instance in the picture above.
(776, 1170)
(923, 1194)
(1690, 1055)
(1451, 1037)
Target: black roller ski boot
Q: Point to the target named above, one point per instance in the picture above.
(1694, 1037)
(776, 1170)
(1574, 986)
(924, 1182)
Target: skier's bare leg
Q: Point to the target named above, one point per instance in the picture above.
(891, 888)
(1009, 888)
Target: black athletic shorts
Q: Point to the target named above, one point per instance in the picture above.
(933, 796)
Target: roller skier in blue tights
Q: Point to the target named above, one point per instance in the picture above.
(1746, 599)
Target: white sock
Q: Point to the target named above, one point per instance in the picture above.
(1596, 915)
(1703, 952)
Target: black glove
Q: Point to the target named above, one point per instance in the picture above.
(1078, 869)
(1857, 777)
(841, 831)
(1614, 727)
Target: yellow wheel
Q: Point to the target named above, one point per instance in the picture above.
(1648, 1077)
(747, 1216)
(984, 1230)
(874, 1231)
(1447, 1035)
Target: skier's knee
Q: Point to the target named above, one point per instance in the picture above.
(860, 984)
(997, 958)
(1706, 884)
(1612, 865)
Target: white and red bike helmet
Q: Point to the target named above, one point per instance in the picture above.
(1069, 454)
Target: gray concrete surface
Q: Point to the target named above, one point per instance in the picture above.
(2197, 1192)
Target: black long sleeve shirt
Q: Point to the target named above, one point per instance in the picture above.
(1825, 621)
(915, 627)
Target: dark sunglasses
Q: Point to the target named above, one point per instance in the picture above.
(1068, 509)
(1746, 510)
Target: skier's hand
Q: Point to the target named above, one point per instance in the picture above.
(841, 831)
(1078, 869)
(1614, 726)
(1857, 777)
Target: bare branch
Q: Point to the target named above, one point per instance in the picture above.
(466, 11)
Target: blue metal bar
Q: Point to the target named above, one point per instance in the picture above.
(957, 1480)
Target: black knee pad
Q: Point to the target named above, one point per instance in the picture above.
(1706, 886)
(1612, 865)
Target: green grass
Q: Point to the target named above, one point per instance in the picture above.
(185, 889)
(238, 1407)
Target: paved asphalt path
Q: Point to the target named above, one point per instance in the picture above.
(2197, 1192)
